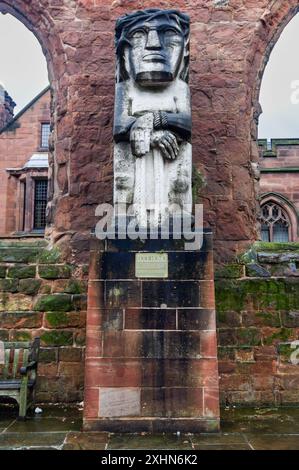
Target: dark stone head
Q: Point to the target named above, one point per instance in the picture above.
(152, 46)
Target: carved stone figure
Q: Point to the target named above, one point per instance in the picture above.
(152, 122)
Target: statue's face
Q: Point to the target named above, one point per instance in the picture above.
(156, 52)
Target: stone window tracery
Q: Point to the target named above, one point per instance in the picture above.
(275, 223)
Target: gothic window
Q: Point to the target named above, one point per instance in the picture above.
(45, 134)
(40, 203)
(275, 223)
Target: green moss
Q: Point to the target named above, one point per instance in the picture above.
(198, 182)
(229, 296)
(285, 350)
(248, 336)
(57, 338)
(260, 294)
(19, 254)
(49, 256)
(54, 272)
(269, 319)
(75, 287)
(276, 247)
(56, 319)
(226, 352)
(29, 286)
(2, 271)
(9, 285)
(229, 271)
(21, 272)
(283, 334)
(21, 336)
(54, 302)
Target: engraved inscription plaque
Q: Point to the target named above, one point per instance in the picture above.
(152, 265)
(116, 402)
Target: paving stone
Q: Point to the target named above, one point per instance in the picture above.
(16, 440)
(149, 441)
(86, 441)
(40, 424)
(219, 439)
(280, 420)
(274, 441)
(222, 447)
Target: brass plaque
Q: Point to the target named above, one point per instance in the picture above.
(153, 265)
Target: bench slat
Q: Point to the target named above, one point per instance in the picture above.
(25, 357)
(15, 363)
(17, 344)
(14, 384)
(6, 365)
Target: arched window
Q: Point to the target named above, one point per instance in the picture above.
(275, 223)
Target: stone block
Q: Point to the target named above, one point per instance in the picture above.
(196, 319)
(9, 285)
(150, 319)
(20, 319)
(57, 338)
(62, 319)
(2, 271)
(52, 271)
(29, 286)
(70, 354)
(21, 272)
(48, 355)
(52, 303)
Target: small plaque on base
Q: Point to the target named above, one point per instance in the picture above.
(152, 265)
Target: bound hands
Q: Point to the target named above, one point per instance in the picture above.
(143, 136)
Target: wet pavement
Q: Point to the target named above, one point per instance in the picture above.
(59, 428)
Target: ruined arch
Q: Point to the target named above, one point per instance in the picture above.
(37, 19)
(267, 32)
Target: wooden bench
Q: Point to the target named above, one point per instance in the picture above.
(18, 373)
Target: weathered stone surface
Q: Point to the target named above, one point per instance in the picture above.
(29, 286)
(9, 285)
(52, 303)
(62, 319)
(2, 271)
(20, 320)
(255, 270)
(57, 338)
(52, 271)
(21, 271)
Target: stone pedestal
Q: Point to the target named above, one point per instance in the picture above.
(151, 355)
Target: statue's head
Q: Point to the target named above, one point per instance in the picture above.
(152, 46)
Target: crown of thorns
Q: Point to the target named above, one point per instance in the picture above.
(125, 23)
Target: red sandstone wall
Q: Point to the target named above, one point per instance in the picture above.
(229, 48)
(16, 147)
(286, 184)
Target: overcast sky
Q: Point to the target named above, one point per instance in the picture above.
(23, 67)
(23, 71)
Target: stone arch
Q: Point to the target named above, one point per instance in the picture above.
(288, 208)
(37, 18)
(267, 32)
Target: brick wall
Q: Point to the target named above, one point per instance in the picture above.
(257, 302)
(280, 170)
(17, 144)
(41, 296)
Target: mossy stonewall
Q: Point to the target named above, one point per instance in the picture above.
(258, 324)
(257, 317)
(40, 296)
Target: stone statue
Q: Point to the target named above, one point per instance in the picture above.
(152, 122)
